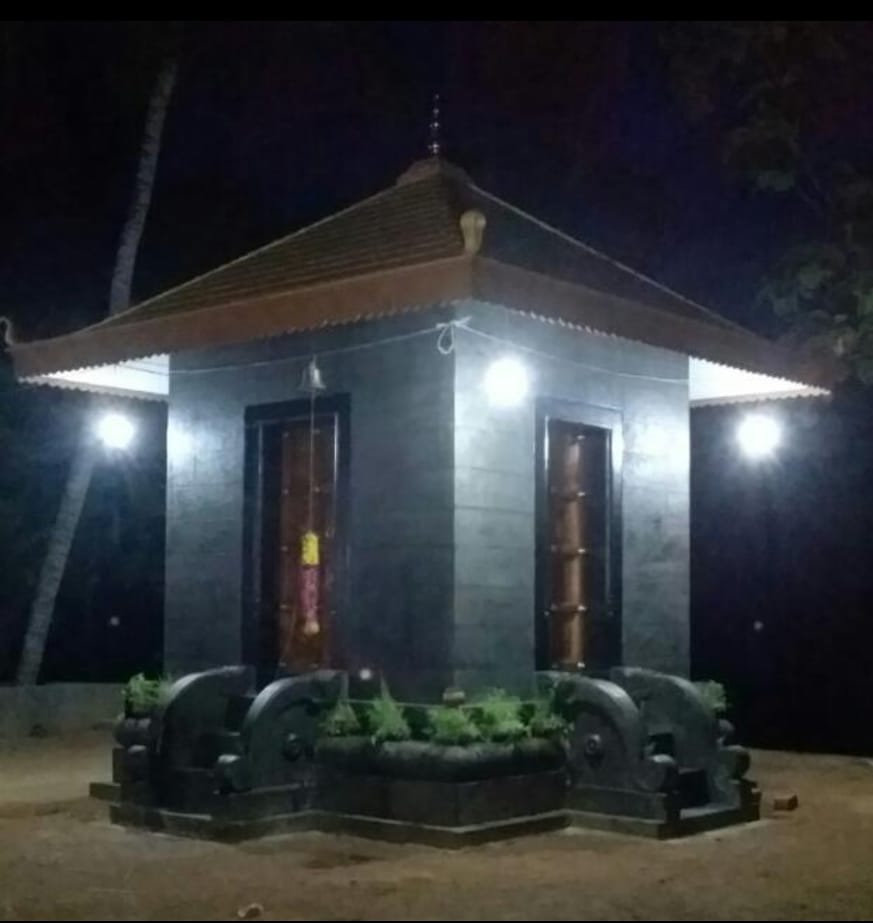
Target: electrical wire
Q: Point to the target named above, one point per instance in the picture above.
(445, 344)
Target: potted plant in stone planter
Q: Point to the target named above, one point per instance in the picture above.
(343, 742)
(441, 750)
(713, 693)
(141, 696)
(486, 739)
(447, 765)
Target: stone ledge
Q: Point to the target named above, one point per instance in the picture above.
(56, 708)
(206, 827)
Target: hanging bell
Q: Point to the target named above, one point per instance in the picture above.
(311, 380)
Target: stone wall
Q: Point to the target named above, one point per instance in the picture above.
(396, 611)
(647, 389)
(56, 708)
(441, 517)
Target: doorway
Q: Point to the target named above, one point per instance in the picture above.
(578, 570)
(295, 489)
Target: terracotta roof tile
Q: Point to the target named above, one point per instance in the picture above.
(400, 250)
(414, 221)
(404, 224)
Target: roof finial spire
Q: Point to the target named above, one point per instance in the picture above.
(434, 144)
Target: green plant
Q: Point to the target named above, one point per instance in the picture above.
(452, 726)
(713, 693)
(544, 719)
(385, 719)
(341, 721)
(141, 695)
(499, 716)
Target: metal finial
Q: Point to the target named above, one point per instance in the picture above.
(434, 143)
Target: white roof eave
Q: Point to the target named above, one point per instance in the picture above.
(147, 378)
(710, 383)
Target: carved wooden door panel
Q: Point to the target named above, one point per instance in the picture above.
(308, 477)
(576, 580)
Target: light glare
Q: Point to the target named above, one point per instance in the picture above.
(115, 431)
(759, 435)
(506, 382)
(180, 444)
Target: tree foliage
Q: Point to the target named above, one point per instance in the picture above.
(786, 99)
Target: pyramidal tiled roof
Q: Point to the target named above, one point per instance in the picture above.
(407, 247)
(414, 221)
(405, 224)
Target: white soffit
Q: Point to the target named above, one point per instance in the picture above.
(708, 382)
(143, 378)
(711, 383)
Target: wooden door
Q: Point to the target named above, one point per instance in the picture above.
(307, 501)
(576, 535)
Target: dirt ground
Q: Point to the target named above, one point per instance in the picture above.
(60, 859)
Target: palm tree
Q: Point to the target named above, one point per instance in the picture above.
(82, 467)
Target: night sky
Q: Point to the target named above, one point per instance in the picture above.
(274, 125)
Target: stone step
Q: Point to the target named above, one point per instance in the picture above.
(105, 791)
(713, 817)
(190, 789)
(693, 788)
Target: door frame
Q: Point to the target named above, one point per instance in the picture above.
(259, 419)
(608, 650)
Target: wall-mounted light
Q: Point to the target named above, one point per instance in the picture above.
(506, 382)
(759, 435)
(115, 430)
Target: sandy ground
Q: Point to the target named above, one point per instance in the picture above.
(60, 859)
